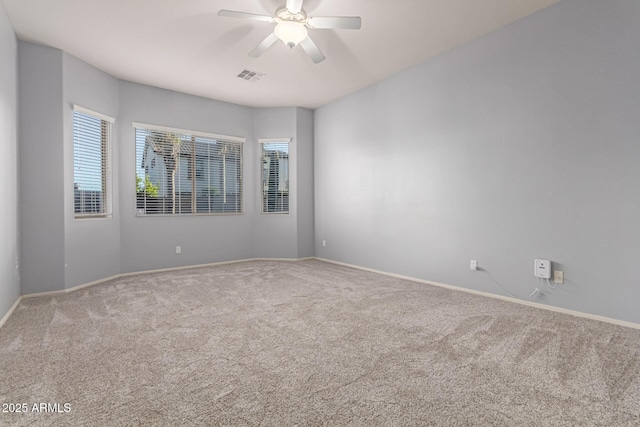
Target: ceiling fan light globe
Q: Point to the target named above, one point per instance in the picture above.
(291, 33)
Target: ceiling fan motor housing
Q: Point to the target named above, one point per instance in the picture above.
(283, 14)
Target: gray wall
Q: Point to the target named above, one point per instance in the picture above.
(287, 235)
(9, 259)
(57, 250)
(304, 196)
(275, 235)
(92, 246)
(149, 242)
(41, 168)
(520, 145)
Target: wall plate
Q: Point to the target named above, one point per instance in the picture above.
(558, 277)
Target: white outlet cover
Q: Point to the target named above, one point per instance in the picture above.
(558, 277)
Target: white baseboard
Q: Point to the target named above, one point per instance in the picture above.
(160, 270)
(490, 295)
(13, 307)
(399, 276)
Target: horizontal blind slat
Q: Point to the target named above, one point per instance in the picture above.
(274, 175)
(186, 173)
(91, 138)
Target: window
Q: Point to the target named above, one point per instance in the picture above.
(91, 164)
(274, 161)
(181, 172)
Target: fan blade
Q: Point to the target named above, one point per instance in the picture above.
(294, 6)
(312, 50)
(341, 22)
(245, 15)
(264, 45)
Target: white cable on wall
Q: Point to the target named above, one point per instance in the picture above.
(498, 285)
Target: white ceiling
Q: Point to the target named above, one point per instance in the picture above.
(184, 46)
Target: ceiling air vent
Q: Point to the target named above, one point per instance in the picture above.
(251, 76)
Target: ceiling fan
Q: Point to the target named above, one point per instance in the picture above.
(291, 27)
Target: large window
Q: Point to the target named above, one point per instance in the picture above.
(183, 172)
(274, 175)
(91, 164)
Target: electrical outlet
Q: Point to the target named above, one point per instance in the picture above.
(324, 243)
(558, 277)
(473, 265)
(178, 249)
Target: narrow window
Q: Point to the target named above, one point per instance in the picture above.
(91, 164)
(274, 173)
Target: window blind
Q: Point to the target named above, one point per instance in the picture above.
(180, 172)
(91, 164)
(274, 176)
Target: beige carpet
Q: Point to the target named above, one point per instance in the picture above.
(309, 343)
